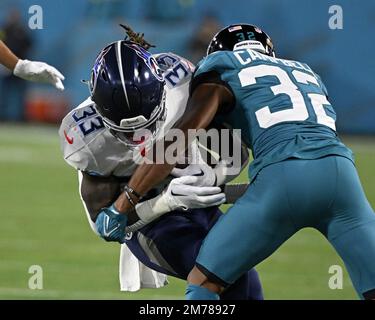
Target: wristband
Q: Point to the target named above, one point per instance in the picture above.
(130, 190)
(129, 198)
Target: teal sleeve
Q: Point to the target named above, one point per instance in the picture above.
(212, 69)
(217, 61)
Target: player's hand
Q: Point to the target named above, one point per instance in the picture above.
(39, 72)
(205, 174)
(111, 225)
(184, 193)
(181, 194)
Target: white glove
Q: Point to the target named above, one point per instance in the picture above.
(205, 174)
(39, 72)
(181, 194)
(184, 193)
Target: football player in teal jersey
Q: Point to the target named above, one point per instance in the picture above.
(302, 174)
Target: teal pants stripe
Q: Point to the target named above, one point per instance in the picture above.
(285, 197)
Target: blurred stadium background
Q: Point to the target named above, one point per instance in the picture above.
(42, 220)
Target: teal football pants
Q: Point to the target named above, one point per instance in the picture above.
(285, 197)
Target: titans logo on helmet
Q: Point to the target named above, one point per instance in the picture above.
(95, 70)
(149, 60)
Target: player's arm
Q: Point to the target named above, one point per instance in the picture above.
(202, 106)
(7, 57)
(99, 193)
(232, 160)
(216, 163)
(30, 70)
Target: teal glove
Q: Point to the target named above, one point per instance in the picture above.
(111, 224)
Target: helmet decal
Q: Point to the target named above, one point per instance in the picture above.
(235, 28)
(99, 62)
(158, 73)
(121, 70)
(127, 87)
(251, 44)
(149, 60)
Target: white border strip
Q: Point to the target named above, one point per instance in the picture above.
(92, 224)
(119, 63)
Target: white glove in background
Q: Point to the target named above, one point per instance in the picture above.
(39, 72)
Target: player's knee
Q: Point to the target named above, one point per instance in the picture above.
(198, 278)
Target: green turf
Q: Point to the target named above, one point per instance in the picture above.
(43, 223)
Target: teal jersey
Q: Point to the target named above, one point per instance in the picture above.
(281, 106)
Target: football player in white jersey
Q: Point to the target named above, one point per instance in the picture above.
(132, 91)
(30, 70)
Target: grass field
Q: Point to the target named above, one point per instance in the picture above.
(43, 223)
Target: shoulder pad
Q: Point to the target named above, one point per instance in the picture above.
(175, 102)
(77, 129)
(217, 61)
(88, 146)
(176, 70)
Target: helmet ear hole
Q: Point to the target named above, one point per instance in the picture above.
(104, 75)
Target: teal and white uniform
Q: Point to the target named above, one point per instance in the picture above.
(302, 174)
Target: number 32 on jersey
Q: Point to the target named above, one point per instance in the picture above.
(298, 111)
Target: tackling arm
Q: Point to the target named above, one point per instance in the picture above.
(201, 109)
(232, 160)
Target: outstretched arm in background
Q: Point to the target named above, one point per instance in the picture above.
(30, 70)
(7, 57)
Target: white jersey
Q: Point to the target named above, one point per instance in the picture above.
(88, 145)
